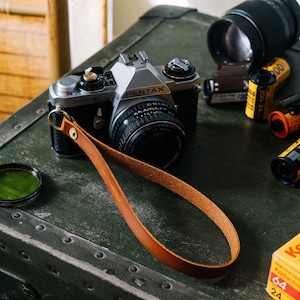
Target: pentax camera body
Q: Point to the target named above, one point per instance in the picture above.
(142, 110)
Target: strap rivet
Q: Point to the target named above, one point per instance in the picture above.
(73, 134)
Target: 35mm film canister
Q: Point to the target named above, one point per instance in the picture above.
(260, 94)
(286, 167)
(229, 84)
(282, 124)
(281, 69)
(263, 84)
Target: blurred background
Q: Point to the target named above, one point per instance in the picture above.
(124, 13)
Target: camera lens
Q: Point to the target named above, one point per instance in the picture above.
(150, 131)
(254, 31)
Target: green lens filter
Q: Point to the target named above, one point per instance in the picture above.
(19, 184)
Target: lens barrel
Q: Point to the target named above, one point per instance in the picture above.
(254, 31)
(150, 131)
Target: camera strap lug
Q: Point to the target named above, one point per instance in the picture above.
(96, 151)
(57, 110)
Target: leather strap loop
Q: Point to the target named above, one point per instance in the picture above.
(94, 149)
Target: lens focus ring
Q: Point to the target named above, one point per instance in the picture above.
(150, 131)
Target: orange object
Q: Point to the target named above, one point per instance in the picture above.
(284, 281)
(283, 124)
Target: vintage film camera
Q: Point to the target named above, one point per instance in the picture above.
(142, 110)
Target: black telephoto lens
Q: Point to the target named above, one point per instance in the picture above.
(254, 31)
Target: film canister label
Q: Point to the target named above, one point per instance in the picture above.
(263, 84)
(259, 96)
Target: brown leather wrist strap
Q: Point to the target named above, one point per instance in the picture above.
(94, 149)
